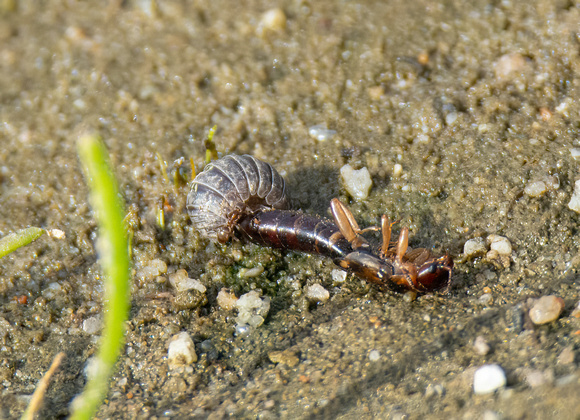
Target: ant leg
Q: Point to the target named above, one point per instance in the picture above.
(346, 223)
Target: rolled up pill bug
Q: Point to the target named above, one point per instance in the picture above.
(230, 188)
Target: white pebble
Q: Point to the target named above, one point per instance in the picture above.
(339, 276)
(226, 300)
(153, 269)
(536, 188)
(374, 355)
(181, 350)
(510, 65)
(480, 346)
(92, 325)
(451, 118)
(500, 244)
(317, 293)
(273, 20)
(181, 282)
(546, 309)
(247, 273)
(575, 153)
(488, 379)
(474, 247)
(536, 378)
(397, 170)
(56, 233)
(574, 203)
(252, 309)
(358, 183)
(320, 132)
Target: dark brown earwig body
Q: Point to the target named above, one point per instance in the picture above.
(248, 195)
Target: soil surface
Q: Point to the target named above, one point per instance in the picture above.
(474, 100)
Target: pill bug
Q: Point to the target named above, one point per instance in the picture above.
(232, 187)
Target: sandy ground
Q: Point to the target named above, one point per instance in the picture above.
(476, 101)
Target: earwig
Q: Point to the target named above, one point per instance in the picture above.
(231, 194)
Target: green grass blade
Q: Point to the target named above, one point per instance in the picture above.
(13, 241)
(114, 259)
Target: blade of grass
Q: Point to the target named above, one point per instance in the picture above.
(36, 401)
(13, 241)
(114, 259)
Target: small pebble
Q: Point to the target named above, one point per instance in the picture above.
(181, 282)
(536, 188)
(181, 350)
(490, 415)
(357, 183)
(320, 132)
(56, 233)
(436, 390)
(474, 247)
(574, 203)
(92, 325)
(286, 357)
(510, 65)
(397, 170)
(546, 309)
(480, 346)
(317, 293)
(273, 20)
(575, 152)
(485, 299)
(501, 244)
(247, 273)
(488, 379)
(374, 355)
(226, 299)
(535, 378)
(338, 276)
(153, 269)
(566, 357)
(252, 309)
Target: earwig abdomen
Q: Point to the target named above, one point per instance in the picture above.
(230, 188)
(297, 231)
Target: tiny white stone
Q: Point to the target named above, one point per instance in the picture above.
(546, 309)
(317, 293)
(451, 118)
(358, 183)
(397, 170)
(56, 233)
(272, 20)
(475, 246)
(246, 273)
(153, 269)
(181, 350)
(536, 188)
(252, 309)
(374, 355)
(320, 132)
(488, 379)
(500, 244)
(574, 203)
(226, 300)
(92, 325)
(339, 276)
(575, 151)
(181, 281)
(480, 345)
